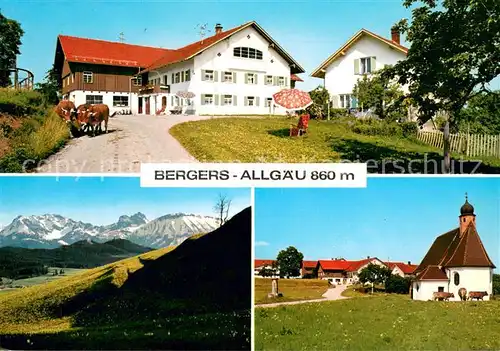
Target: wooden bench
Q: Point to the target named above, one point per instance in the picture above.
(301, 127)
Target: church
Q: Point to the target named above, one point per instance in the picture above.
(456, 259)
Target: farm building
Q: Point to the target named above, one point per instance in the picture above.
(456, 259)
(232, 72)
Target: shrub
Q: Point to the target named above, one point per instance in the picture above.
(376, 127)
(409, 129)
(338, 112)
(496, 284)
(397, 284)
(21, 102)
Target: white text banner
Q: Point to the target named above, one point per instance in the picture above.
(263, 175)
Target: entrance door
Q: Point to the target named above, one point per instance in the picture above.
(164, 102)
(140, 105)
(148, 108)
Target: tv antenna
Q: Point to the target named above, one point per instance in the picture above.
(121, 37)
(202, 30)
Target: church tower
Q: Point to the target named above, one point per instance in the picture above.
(467, 215)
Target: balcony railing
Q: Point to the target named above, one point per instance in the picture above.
(155, 89)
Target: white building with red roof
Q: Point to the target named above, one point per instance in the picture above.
(363, 54)
(456, 260)
(231, 72)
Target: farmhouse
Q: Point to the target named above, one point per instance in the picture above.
(361, 55)
(341, 271)
(307, 268)
(232, 72)
(263, 264)
(456, 259)
(402, 269)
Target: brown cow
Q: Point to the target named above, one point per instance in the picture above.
(444, 296)
(478, 295)
(462, 292)
(82, 118)
(66, 110)
(99, 113)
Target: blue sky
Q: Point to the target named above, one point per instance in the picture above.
(393, 218)
(309, 30)
(103, 200)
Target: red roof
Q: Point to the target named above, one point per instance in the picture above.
(334, 265)
(309, 264)
(404, 267)
(356, 265)
(295, 78)
(263, 263)
(432, 273)
(109, 53)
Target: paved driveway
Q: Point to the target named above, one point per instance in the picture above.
(132, 139)
(330, 295)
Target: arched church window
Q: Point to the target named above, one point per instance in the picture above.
(456, 278)
(418, 286)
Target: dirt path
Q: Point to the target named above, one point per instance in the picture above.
(132, 139)
(330, 295)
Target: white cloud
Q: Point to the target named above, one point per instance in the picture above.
(261, 243)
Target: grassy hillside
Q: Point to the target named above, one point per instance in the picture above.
(16, 262)
(29, 130)
(292, 289)
(390, 322)
(196, 296)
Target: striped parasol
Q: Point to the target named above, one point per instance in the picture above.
(185, 94)
(292, 99)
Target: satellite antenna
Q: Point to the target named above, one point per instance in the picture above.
(121, 37)
(202, 30)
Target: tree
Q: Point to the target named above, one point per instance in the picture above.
(50, 87)
(481, 115)
(454, 54)
(10, 41)
(397, 284)
(289, 262)
(379, 93)
(321, 99)
(267, 272)
(374, 274)
(496, 284)
(222, 207)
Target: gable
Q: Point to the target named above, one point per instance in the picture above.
(342, 51)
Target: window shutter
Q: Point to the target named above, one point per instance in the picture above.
(203, 99)
(246, 79)
(275, 80)
(257, 101)
(203, 75)
(335, 101)
(246, 101)
(373, 63)
(216, 100)
(354, 102)
(235, 100)
(173, 79)
(216, 76)
(234, 77)
(256, 80)
(356, 66)
(286, 81)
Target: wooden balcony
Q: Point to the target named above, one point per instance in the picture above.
(154, 89)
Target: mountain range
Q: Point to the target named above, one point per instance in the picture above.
(52, 230)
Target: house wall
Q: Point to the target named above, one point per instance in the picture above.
(354, 275)
(340, 77)
(426, 288)
(398, 271)
(472, 279)
(80, 97)
(210, 60)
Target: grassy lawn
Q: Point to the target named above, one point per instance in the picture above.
(48, 277)
(292, 289)
(267, 140)
(381, 323)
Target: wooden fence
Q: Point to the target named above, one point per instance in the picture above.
(466, 144)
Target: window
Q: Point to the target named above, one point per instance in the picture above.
(345, 101)
(120, 101)
(251, 78)
(268, 102)
(177, 77)
(418, 286)
(137, 81)
(73, 78)
(209, 75)
(183, 76)
(440, 288)
(68, 81)
(245, 52)
(250, 100)
(456, 278)
(93, 99)
(88, 77)
(228, 77)
(187, 75)
(269, 80)
(281, 81)
(208, 99)
(165, 79)
(365, 65)
(228, 100)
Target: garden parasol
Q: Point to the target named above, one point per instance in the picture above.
(292, 99)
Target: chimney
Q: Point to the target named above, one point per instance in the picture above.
(367, 256)
(395, 37)
(218, 28)
(409, 263)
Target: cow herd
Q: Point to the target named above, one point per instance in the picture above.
(445, 296)
(84, 118)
